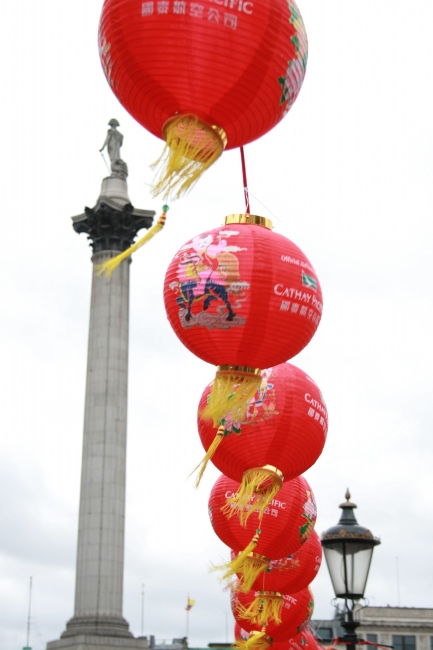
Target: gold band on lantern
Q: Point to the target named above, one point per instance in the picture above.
(260, 558)
(266, 637)
(251, 219)
(269, 594)
(244, 369)
(221, 134)
(273, 472)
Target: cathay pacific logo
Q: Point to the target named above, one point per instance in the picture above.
(309, 281)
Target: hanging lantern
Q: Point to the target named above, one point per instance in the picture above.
(242, 298)
(295, 572)
(203, 76)
(282, 435)
(296, 612)
(286, 524)
(302, 641)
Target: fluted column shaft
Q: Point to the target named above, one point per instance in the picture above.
(100, 556)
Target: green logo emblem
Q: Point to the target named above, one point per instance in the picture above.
(309, 281)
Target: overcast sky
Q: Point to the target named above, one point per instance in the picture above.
(347, 176)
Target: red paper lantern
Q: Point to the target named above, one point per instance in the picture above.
(286, 525)
(203, 75)
(285, 428)
(293, 573)
(243, 298)
(296, 612)
(302, 641)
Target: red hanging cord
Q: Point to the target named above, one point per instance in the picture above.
(244, 176)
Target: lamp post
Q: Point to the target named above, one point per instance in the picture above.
(348, 549)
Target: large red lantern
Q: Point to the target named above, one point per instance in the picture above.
(203, 75)
(242, 298)
(296, 612)
(282, 435)
(286, 525)
(295, 572)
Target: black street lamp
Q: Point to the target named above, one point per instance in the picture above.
(348, 549)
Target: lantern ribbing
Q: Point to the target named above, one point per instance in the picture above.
(207, 76)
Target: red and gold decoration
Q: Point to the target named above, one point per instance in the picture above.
(285, 525)
(282, 435)
(295, 572)
(302, 641)
(242, 298)
(204, 76)
(295, 611)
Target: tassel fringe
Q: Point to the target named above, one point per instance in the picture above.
(256, 641)
(232, 391)
(249, 571)
(266, 607)
(109, 266)
(233, 567)
(191, 148)
(210, 452)
(247, 566)
(258, 488)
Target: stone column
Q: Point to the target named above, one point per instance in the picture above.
(98, 622)
(100, 555)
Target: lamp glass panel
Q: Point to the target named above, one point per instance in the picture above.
(348, 565)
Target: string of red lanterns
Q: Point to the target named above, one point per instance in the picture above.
(241, 297)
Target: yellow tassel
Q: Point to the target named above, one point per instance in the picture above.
(258, 488)
(210, 452)
(111, 265)
(232, 391)
(251, 568)
(233, 567)
(265, 607)
(256, 641)
(247, 565)
(191, 148)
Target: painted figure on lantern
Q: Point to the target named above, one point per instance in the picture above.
(208, 272)
(261, 407)
(297, 64)
(310, 514)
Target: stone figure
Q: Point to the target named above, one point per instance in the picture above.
(113, 142)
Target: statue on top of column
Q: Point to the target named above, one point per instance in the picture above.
(113, 142)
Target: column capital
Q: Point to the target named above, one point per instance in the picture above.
(113, 222)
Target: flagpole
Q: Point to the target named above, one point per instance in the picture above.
(187, 619)
(142, 609)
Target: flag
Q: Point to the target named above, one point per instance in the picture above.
(190, 604)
